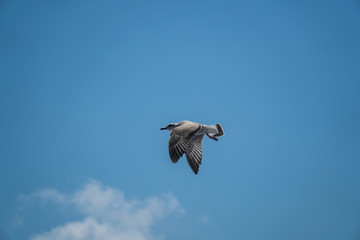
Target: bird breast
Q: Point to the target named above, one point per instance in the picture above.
(185, 128)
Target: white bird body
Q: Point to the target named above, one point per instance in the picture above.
(186, 137)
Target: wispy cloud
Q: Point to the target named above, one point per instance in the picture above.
(107, 214)
(46, 195)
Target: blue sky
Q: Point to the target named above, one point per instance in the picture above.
(86, 85)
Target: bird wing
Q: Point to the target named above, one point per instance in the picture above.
(194, 152)
(177, 146)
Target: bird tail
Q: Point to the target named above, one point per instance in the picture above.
(220, 130)
(215, 130)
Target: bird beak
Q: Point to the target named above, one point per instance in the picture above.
(163, 128)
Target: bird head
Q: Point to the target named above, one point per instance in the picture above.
(170, 126)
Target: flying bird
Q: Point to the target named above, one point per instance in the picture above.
(186, 137)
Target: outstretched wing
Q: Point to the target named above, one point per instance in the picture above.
(194, 152)
(177, 147)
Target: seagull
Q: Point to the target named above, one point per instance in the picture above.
(186, 137)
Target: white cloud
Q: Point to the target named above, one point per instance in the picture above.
(46, 194)
(108, 215)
